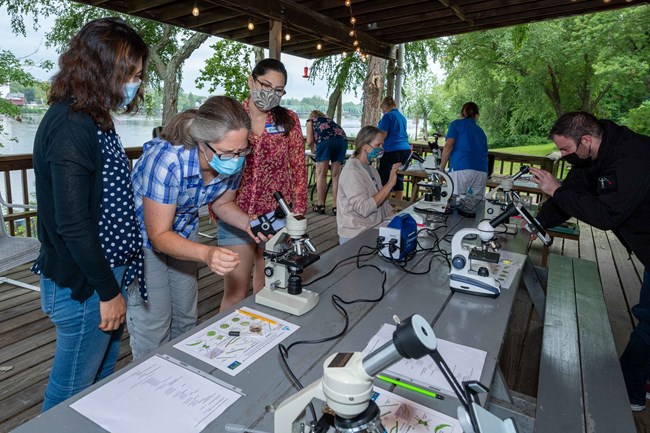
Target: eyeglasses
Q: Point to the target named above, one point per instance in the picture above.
(229, 155)
(375, 146)
(279, 91)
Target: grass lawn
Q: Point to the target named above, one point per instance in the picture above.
(537, 150)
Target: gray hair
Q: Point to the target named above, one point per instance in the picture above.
(365, 136)
(216, 117)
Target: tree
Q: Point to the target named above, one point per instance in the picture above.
(342, 74)
(373, 87)
(169, 46)
(525, 76)
(229, 68)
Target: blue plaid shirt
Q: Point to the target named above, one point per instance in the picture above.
(171, 174)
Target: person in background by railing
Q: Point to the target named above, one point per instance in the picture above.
(608, 187)
(363, 201)
(466, 150)
(90, 238)
(328, 142)
(396, 145)
(198, 160)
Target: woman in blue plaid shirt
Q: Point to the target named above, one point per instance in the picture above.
(197, 160)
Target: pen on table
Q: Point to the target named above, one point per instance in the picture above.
(411, 387)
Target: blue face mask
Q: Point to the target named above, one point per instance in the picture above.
(130, 90)
(226, 167)
(376, 153)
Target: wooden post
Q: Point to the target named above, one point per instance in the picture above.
(275, 39)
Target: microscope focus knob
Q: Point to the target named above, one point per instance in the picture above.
(458, 262)
(483, 272)
(268, 271)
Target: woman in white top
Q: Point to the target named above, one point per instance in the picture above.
(362, 200)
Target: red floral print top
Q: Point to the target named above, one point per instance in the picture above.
(277, 163)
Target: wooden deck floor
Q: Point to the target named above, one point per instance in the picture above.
(27, 335)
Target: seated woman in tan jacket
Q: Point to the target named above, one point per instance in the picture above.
(362, 200)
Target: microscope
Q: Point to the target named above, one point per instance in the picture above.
(439, 187)
(462, 276)
(347, 387)
(286, 255)
(498, 199)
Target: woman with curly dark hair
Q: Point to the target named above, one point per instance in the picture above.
(90, 237)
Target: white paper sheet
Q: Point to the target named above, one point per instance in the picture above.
(399, 415)
(232, 354)
(466, 363)
(156, 396)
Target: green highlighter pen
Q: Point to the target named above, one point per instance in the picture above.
(409, 386)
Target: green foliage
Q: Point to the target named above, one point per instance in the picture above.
(347, 72)
(524, 77)
(638, 119)
(517, 141)
(228, 68)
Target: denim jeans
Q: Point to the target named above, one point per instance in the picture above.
(84, 353)
(635, 361)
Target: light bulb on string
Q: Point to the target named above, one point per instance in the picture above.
(319, 46)
(250, 26)
(344, 54)
(353, 20)
(195, 9)
(348, 3)
(287, 37)
(355, 43)
(351, 33)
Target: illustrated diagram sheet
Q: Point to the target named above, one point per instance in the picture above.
(237, 340)
(399, 415)
(465, 362)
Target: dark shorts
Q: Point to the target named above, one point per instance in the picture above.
(386, 163)
(332, 150)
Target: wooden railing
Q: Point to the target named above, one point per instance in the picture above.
(23, 165)
(504, 163)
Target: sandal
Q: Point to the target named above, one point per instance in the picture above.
(334, 211)
(319, 209)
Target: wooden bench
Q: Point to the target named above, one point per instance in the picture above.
(581, 386)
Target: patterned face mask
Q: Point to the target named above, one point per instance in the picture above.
(265, 100)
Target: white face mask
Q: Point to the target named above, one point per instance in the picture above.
(130, 90)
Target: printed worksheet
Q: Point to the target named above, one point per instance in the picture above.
(399, 415)
(237, 340)
(506, 270)
(466, 363)
(158, 395)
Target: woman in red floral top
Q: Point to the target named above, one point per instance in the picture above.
(277, 163)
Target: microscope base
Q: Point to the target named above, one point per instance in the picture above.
(481, 286)
(281, 300)
(432, 206)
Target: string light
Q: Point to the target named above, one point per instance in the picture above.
(351, 33)
(195, 9)
(348, 3)
(287, 37)
(355, 43)
(344, 54)
(353, 20)
(251, 26)
(319, 46)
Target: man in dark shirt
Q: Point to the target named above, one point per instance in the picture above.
(608, 187)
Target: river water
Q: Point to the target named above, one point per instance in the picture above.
(18, 138)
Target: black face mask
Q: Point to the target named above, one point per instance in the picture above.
(575, 160)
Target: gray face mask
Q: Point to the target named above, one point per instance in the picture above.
(265, 100)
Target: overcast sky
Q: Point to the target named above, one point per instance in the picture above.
(34, 46)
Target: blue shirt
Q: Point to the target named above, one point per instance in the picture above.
(171, 174)
(394, 123)
(470, 150)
